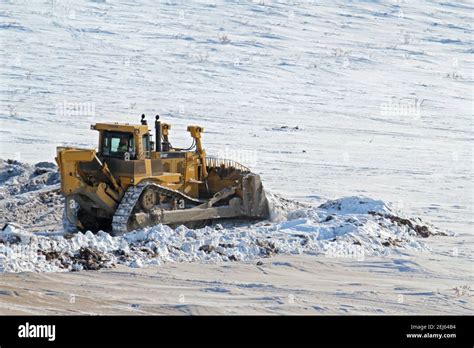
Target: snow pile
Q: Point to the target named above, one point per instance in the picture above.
(17, 178)
(348, 227)
(29, 195)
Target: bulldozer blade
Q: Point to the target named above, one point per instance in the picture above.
(255, 203)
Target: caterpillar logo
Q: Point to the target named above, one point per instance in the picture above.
(37, 331)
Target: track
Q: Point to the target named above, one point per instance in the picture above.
(130, 200)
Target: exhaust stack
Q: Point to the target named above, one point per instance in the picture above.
(158, 133)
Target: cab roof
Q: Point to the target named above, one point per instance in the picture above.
(121, 127)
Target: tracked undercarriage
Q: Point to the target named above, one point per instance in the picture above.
(149, 204)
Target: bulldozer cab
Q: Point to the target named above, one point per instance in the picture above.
(123, 141)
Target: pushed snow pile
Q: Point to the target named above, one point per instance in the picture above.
(348, 227)
(18, 178)
(29, 195)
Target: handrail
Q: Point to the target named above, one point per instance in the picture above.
(217, 162)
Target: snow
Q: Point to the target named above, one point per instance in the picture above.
(12, 232)
(355, 232)
(29, 195)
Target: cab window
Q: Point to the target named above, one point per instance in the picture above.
(146, 145)
(116, 144)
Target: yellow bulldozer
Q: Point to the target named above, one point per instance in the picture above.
(132, 182)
